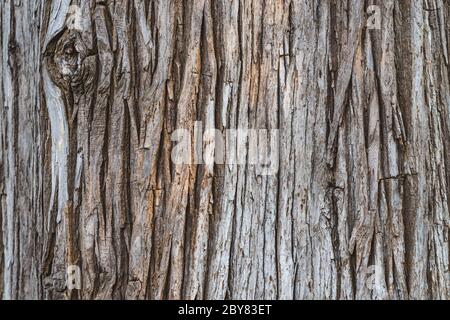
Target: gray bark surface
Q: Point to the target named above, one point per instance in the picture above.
(86, 176)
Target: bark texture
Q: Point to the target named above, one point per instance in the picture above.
(88, 107)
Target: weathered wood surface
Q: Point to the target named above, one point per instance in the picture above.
(88, 108)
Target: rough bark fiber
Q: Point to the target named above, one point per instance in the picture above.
(86, 176)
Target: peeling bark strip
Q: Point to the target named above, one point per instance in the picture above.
(92, 92)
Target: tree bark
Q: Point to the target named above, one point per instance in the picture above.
(92, 93)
